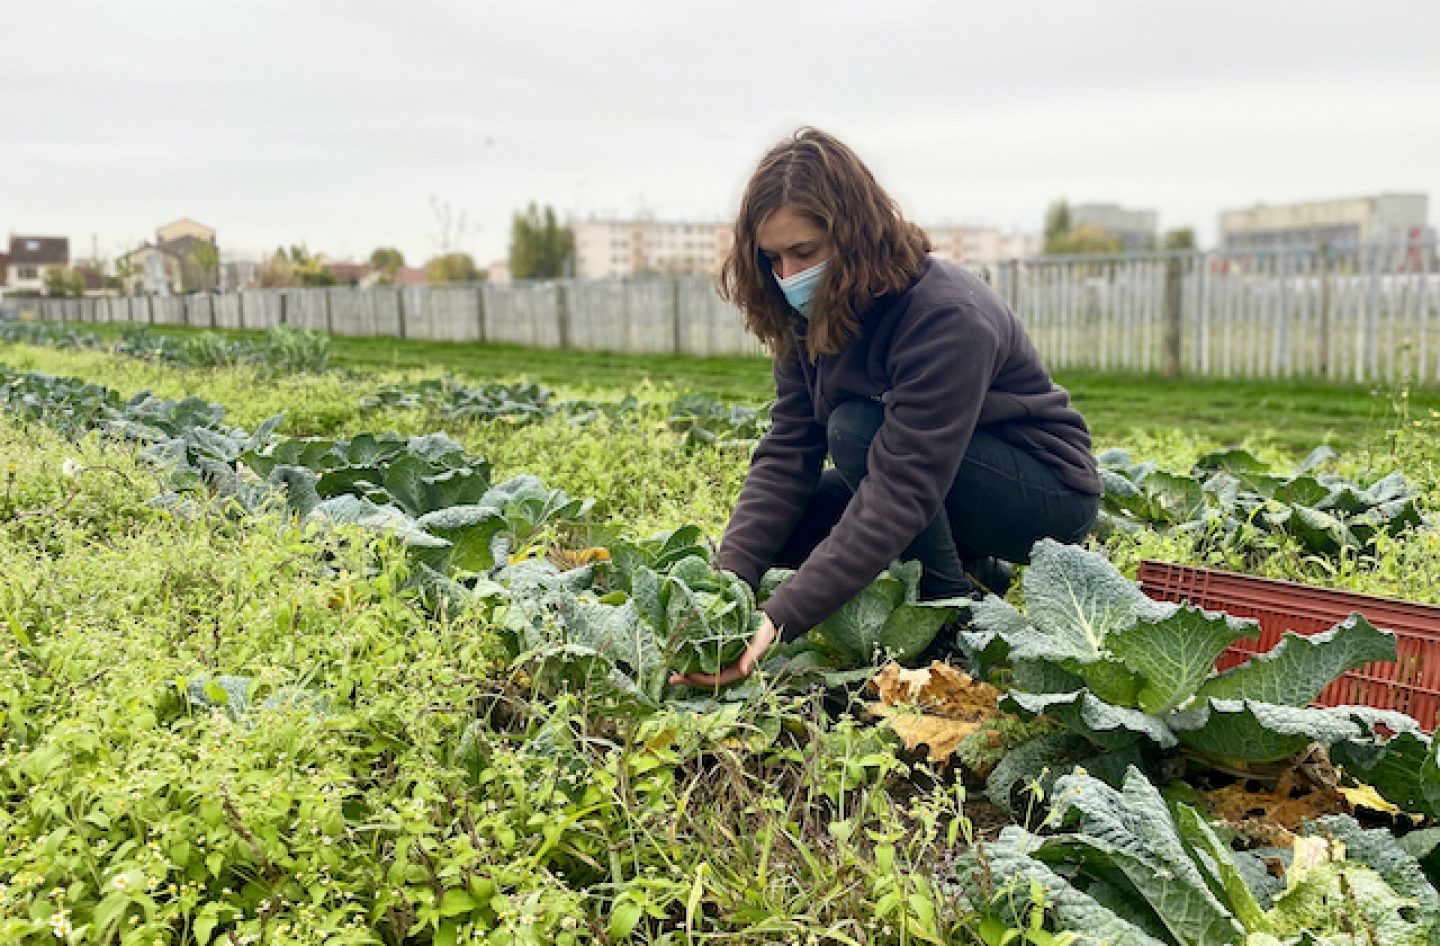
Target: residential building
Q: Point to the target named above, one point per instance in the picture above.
(499, 272)
(1022, 245)
(92, 273)
(404, 276)
(986, 244)
(184, 258)
(1136, 230)
(153, 272)
(184, 227)
(611, 248)
(237, 274)
(349, 274)
(4, 262)
(1400, 219)
(31, 258)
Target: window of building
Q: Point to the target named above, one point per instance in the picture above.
(26, 272)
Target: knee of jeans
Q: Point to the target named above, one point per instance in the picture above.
(848, 431)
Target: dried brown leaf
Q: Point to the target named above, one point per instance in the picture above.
(941, 736)
(938, 690)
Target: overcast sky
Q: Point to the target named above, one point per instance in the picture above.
(339, 123)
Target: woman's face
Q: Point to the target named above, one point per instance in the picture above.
(790, 241)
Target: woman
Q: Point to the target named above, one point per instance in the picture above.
(950, 443)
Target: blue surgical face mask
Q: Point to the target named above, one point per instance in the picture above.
(799, 289)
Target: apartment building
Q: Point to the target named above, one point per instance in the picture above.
(982, 244)
(1392, 218)
(610, 248)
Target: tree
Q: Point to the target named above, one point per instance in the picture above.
(310, 269)
(207, 259)
(278, 272)
(63, 282)
(1181, 238)
(453, 267)
(1057, 223)
(539, 246)
(388, 261)
(1062, 240)
(1084, 240)
(450, 226)
(125, 272)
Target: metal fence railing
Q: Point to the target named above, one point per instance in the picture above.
(1361, 313)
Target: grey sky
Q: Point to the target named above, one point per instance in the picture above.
(335, 122)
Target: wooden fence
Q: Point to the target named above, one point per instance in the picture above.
(1363, 313)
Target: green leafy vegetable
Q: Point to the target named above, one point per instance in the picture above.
(705, 617)
(886, 619)
(1232, 494)
(1092, 652)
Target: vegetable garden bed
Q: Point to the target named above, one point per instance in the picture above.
(295, 686)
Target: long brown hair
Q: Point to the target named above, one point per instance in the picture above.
(876, 250)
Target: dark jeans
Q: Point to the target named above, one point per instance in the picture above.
(1002, 501)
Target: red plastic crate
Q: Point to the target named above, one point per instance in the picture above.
(1411, 684)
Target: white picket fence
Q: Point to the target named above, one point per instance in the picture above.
(1362, 313)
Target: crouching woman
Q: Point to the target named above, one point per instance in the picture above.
(948, 439)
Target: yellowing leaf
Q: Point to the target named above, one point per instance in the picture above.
(941, 736)
(1364, 796)
(566, 559)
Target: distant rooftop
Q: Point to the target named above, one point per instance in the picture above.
(39, 251)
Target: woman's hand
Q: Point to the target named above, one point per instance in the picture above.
(760, 642)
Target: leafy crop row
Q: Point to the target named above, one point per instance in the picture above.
(282, 350)
(1231, 497)
(669, 614)
(697, 418)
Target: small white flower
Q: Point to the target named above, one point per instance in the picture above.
(120, 882)
(71, 468)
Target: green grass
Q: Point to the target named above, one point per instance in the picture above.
(1289, 415)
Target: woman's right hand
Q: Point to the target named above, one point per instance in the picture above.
(760, 642)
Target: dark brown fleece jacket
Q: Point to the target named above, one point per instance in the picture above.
(945, 357)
